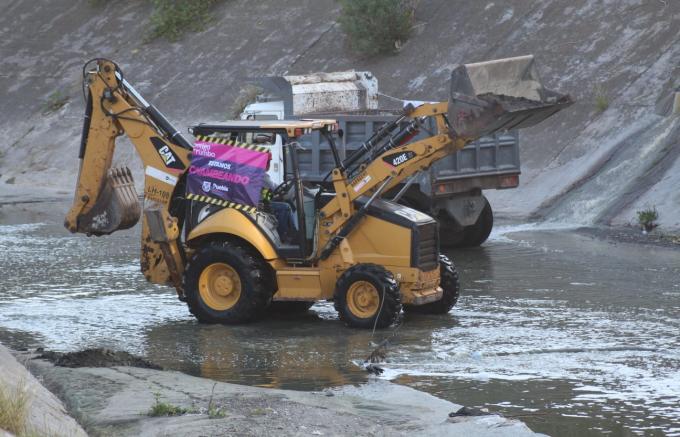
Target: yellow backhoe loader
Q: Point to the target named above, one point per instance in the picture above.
(230, 262)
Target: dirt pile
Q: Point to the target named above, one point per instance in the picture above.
(98, 357)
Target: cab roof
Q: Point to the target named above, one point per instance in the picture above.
(265, 125)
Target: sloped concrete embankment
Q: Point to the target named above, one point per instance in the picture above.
(46, 415)
(623, 53)
(640, 173)
(115, 401)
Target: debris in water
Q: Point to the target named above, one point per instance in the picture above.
(465, 411)
(98, 357)
(373, 369)
(379, 353)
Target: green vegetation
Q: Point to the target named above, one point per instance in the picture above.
(172, 18)
(377, 26)
(647, 218)
(214, 412)
(601, 99)
(55, 101)
(258, 412)
(165, 409)
(14, 409)
(159, 408)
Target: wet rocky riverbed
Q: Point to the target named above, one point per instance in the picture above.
(572, 333)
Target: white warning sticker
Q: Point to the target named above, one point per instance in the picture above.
(359, 185)
(161, 175)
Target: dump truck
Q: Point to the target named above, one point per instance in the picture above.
(209, 226)
(452, 190)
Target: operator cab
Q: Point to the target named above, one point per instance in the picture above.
(280, 138)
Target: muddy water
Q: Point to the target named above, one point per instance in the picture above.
(571, 334)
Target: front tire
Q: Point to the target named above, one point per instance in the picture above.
(451, 286)
(367, 296)
(226, 282)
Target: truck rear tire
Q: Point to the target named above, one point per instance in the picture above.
(468, 236)
(367, 296)
(477, 234)
(226, 282)
(451, 286)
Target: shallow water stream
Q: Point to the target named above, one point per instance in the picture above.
(571, 334)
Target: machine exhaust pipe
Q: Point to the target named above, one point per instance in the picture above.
(500, 95)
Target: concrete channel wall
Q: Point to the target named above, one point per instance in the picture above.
(46, 414)
(621, 53)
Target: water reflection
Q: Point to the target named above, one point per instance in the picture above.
(309, 353)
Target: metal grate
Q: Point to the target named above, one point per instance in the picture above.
(426, 247)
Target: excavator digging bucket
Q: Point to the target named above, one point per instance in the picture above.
(500, 95)
(117, 206)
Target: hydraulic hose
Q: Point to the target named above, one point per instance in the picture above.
(86, 125)
(378, 136)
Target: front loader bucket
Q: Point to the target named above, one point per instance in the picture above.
(500, 95)
(117, 206)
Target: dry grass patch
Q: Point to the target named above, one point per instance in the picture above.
(14, 404)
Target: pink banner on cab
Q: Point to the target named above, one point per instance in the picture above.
(228, 173)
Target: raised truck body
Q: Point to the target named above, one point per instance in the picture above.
(451, 190)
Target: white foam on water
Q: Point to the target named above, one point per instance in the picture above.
(77, 323)
(20, 228)
(622, 357)
(500, 233)
(132, 267)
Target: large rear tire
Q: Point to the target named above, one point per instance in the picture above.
(226, 282)
(367, 296)
(477, 234)
(452, 235)
(450, 285)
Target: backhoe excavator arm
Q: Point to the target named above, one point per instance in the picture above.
(484, 98)
(105, 198)
(392, 166)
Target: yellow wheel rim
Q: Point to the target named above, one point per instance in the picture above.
(219, 286)
(363, 299)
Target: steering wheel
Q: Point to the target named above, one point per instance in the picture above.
(282, 189)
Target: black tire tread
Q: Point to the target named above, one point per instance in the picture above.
(450, 283)
(478, 233)
(257, 285)
(388, 288)
(453, 236)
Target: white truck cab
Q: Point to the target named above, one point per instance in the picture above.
(263, 111)
(344, 91)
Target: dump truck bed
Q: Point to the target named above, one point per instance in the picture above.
(481, 164)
